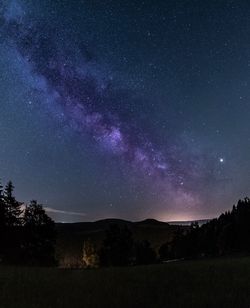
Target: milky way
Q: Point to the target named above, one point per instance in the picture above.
(77, 91)
(72, 86)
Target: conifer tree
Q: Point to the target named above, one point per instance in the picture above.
(3, 209)
(3, 223)
(13, 207)
(39, 235)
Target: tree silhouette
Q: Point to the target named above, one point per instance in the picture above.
(12, 205)
(228, 234)
(39, 239)
(117, 247)
(10, 212)
(3, 225)
(25, 236)
(3, 210)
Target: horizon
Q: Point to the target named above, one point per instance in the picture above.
(135, 221)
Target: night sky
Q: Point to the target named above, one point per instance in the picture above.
(127, 109)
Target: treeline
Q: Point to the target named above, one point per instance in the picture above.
(27, 233)
(229, 234)
(118, 249)
(28, 237)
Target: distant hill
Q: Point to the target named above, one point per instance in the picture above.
(71, 236)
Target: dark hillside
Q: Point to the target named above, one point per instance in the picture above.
(71, 236)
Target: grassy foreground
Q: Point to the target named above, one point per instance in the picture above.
(207, 283)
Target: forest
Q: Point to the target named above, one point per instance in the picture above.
(28, 237)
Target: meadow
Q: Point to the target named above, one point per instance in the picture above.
(203, 283)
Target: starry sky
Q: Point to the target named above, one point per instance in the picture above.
(127, 109)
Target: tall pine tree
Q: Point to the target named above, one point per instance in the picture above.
(3, 209)
(3, 225)
(13, 206)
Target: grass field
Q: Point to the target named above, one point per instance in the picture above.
(206, 283)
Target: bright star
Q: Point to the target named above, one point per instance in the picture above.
(221, 160)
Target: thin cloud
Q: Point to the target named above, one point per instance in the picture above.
(52, 210)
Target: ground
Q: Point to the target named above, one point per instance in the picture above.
(206, 283)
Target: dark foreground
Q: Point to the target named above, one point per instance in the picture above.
(207, 283)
